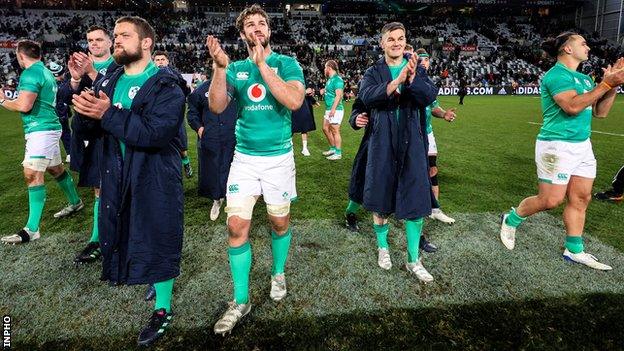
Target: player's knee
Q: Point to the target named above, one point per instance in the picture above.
(552, 201)
(433, 171)
(30, 177)
(238, 229)
(56, 171)
(580, 200)
(380, 218)
(240, 206)
(280, 226)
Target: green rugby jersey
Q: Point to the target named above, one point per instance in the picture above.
(126, 89)
(334, 82)
(263, 127)
(558, 125)
(42, 117)
(428, 111)
(102, 66)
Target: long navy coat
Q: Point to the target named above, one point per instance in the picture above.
(141, 205)
(64, 113)
(303, 118)
(85, 159)
(397, 177)
(358, 172)
(215, 149)
(181, 138)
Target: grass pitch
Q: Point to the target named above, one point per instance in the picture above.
(484, 297)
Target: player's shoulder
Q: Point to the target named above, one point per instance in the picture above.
(557, 71)
(286, 60)
(238, 65)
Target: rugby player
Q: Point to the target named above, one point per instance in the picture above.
(267, 87)
(36, 103)
(566, 166)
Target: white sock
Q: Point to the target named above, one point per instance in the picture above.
(435, 210)
(305, 144)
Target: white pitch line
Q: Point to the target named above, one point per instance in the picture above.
(593, 131)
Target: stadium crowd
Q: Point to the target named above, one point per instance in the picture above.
(464, 49)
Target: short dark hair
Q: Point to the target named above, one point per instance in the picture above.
(161, 53)
(392, 26)
(96, 27)
(332, 64)
(421, 51)
(144, 29)
(30, 48)
(254, 9)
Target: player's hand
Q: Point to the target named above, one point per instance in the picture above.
(258, 55)
(87, 104)
(2, 94)
(322, 91)
(408, 71)
(200, 131)
(332, 112)
(85, 61)
(361, 120)
(450, 115)
(613, 77)
(619, 64)
(216, 52)
(75, 69)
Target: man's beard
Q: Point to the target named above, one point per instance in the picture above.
(124, 58)
(264, 42)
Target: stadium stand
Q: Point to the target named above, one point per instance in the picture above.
(482, 52)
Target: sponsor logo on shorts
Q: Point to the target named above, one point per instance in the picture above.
(285, 195)
(233, 188)
(256, 92)
(562, 176)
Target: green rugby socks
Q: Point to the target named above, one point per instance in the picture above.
(240, 266)
(413, 229)
(164, 291)
(513, 219)
(66, 182)
(574, 244)
(95, 234)
(36, 202)
(352, 207)
(382, 235)
(279, 248)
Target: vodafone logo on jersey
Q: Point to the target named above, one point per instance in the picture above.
(256, 92)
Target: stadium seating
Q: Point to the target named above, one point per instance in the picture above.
(506, 52)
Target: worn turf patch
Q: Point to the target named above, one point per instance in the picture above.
(483, 296)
